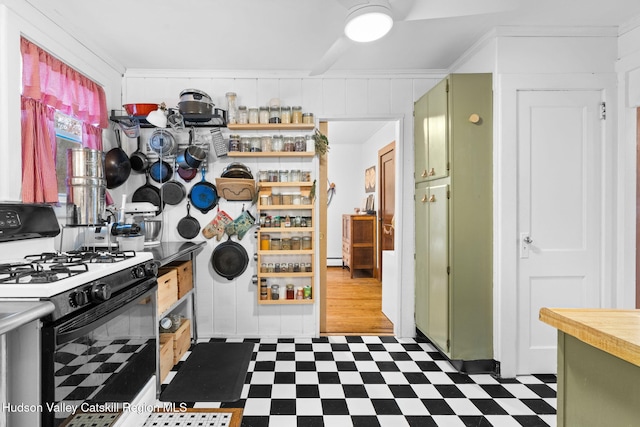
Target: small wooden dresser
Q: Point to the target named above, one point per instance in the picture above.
(359, 243)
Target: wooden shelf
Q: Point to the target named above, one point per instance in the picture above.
(286, 301)
(271, 153)
(272, 126)
(287, 274)
(271, 230)
(267, 184)
(283, 207)
(286, 252)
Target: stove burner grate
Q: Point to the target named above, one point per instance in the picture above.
(34, 272)
(80, 256)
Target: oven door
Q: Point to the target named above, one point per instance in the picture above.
(101, 358)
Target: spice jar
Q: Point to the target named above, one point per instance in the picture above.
(283, 176)
(295, 243)
(306, 242)
(300, 143)
(299, 293)
(286, 244)
(289, 143)
(265, 200)
(278, 143)
(264, 294)
(265, 242)
(275, 292)
(232, 111)
(276, 244)
(253, 115)
(263, 175)
(285, 115)
(296, 114)
(290, 293)
(245, 145)
(307, 292)
(307, 118)
(263, 114)
(295, 175)
(265, 143)
(274, 114)
(273, 176)
(243, 115)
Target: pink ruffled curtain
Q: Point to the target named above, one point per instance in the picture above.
(49, 85)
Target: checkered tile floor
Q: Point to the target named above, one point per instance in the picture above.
(379, 381)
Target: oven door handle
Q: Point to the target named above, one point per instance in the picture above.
(73, 329)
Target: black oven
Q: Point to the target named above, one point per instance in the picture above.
(99, 358)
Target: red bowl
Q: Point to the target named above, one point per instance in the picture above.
(139, 109)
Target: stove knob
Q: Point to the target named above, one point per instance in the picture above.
(138, 272)
(78, 298)
(100, 292)
(151, 268)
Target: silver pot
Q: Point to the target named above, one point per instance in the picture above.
(151, 229)
(86, 201)
(194, 101)
(195, 95)
(85, 162)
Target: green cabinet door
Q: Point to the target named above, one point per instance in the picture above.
(438, 131)
(438, 261)
(421, 256)
(421, 137)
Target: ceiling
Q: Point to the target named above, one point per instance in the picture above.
(305, 35)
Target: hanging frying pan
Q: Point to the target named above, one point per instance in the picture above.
(229, 259)
(161, 171)
(149, 193)
(187, 174)
(188, 227)
(117, 165)
(173, 192)
(203, 195)
(139, 160)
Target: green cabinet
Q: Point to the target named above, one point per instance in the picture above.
(453, 214)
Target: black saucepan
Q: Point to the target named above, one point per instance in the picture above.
(203, 195)
(149, 193)
(139, 160)
(173, 192)
(229, 259)
(188, 227)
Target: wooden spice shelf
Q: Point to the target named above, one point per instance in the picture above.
(286, 301)
(272, 126)
(271, 153)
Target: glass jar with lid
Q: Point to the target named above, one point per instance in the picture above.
(307, 118)
(254, 142)
(306, 242)
(232, 111)
(253, 115)
(263, 175)
(265, 143)
(274, 114)
(234, 142)
(245, 144)
(278, 143)
(295, 175)
(289, 143)
(243, 115)
(263, 114)
(283, 176)
(276, 244)
(295, 243)
(285, 114)
(296, 114)
(300, 143)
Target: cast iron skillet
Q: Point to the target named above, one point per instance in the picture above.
(229, 259)
(173, 192)
(203, 195)
(188, 227)
(161, 171)
(149, 193)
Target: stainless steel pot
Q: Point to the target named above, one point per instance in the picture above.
(194, 101)
(86, 201)
(85, 162)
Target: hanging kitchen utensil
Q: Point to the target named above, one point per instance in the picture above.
(203, 195)
(161, 171)
(162, 142)
(130, 126)
(139, 160)
(236, 170)
(193, 155)
(217, 225)
(175, 120)
(149, 193)
(117, 166)
(188, 227)
(187, 174)
(229, 259)
(173, 192)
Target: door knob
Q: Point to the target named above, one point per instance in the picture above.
(528, 240)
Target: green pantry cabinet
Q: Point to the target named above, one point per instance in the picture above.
(453, 214)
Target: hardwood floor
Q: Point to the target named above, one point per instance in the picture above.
(354, 306)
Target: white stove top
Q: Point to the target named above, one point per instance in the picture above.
(45, 290)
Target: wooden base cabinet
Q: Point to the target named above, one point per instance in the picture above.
(453, 214)
(359, 243)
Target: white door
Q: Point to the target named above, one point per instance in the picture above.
(559, 214)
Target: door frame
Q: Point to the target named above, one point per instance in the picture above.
(506, 88)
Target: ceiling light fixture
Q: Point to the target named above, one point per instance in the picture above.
(368, 23)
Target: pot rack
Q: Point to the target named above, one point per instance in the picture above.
(217, 119)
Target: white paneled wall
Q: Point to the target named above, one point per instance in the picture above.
(229, 308)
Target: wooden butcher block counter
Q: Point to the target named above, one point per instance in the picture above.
(598, 366)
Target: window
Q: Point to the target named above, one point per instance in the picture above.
(68, 135)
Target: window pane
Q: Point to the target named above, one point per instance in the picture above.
(68, 135)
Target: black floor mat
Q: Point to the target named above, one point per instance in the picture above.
(213, 372)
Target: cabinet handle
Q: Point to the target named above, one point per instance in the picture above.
(432, 198)
(424, 198)
(424, 173)
(432, 172)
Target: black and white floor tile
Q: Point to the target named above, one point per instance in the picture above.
(370, 381)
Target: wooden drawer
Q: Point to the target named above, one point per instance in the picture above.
(167, 290)
(166, 355)
(181, 340)
(184, 269)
